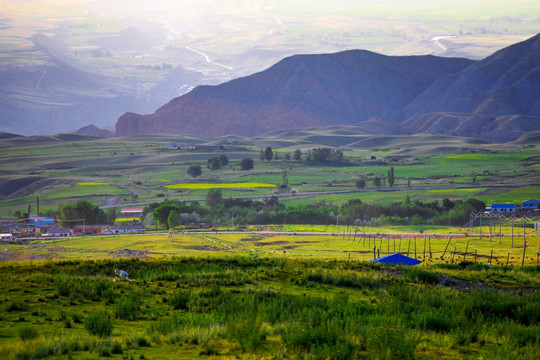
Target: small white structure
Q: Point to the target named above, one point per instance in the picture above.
(131, 212)
(8, 237)
(60, 232)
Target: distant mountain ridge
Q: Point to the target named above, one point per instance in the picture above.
(495, 99)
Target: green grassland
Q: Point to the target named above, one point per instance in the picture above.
(244, 306)
(142, 168)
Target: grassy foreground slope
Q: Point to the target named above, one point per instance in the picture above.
(242, 307)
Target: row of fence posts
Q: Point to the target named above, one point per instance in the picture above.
(427, 247)
(473, 218)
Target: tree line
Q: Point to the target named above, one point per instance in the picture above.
(230, 211)
(218, 210)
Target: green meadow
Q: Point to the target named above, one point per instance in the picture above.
(146, 169)
(245, 306)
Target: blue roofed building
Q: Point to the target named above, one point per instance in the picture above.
(503, 208)
(530, 204)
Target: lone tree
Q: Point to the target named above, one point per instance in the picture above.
(297, 155)
(213, 163)
(268, 154)
(223, 160)
(360, 183)
(391, 176)
(194, 171)
(161, 214)
(246, 164)
(214, 198)
(377, 182)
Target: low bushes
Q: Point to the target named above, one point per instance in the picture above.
(99, 323)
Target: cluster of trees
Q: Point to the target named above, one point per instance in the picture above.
(218, 210)
(216, 163)
(230, 211)
(325, 154)
(170, 213)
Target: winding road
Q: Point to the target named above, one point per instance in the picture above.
(208, 59)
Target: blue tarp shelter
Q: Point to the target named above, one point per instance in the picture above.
(396, 259)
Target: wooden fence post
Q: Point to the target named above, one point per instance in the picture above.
(507, 258)
(500, 233)
(466, 249)
(524, 248)
(512, 233)
(480, 227)
(449, 239)
(490, 228)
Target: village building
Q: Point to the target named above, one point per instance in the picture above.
(131, 212)
(59, 232)
(40, 221)
(503, 208)
(530, 205)
(6, 237)
(87, 229)
(122, 229)
(106, 229)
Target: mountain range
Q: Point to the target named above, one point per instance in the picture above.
(495, 99)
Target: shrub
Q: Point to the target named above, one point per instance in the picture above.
(116, 348)
(128, 307)
(138, 342)
(28, 333)
(99, 323)
(421, 276)
(180, 299)
(248, 332)
(14, 307)
(434, 321)
(387, 343)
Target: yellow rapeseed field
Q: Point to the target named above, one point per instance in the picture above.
(204, 186)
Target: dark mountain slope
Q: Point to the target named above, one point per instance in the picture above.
(497, 98)
(300, 91)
